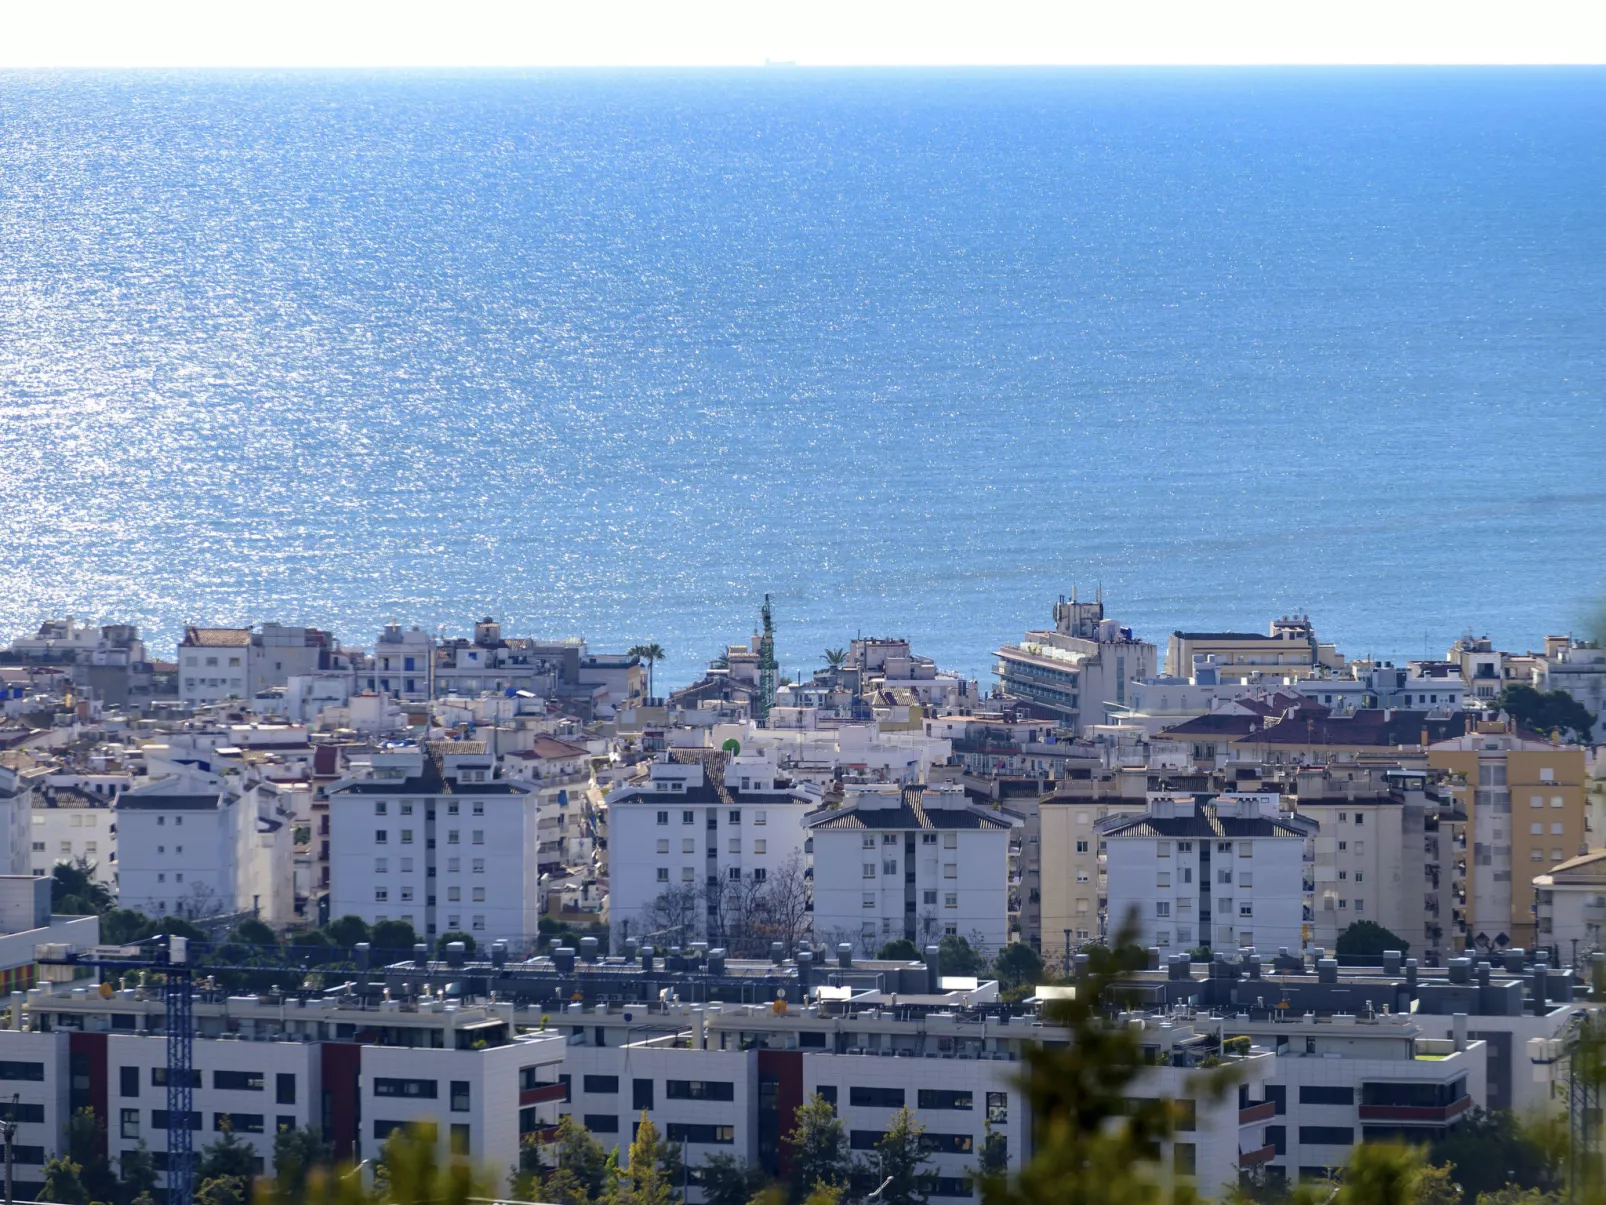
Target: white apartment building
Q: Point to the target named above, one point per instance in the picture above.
(1225, 873)
(17, 789)
(215, 664)
(69, 824)
(1078, 671)
(704, 824)
(557, 773)
(434, 836)
(262, 1063)
(181, 842)
(1570, 903)
(917, 862)
(1577, 667)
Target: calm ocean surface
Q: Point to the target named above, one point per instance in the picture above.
(613, 355)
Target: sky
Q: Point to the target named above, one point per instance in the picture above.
(581, 33)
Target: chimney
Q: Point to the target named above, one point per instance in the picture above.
(1459, 1024)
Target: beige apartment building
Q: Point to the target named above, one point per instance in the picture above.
(1525, 802)
(1289, 649)
(1072, 885)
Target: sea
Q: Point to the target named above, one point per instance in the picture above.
(616, 354)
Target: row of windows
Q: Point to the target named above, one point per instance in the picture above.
(689, 816)
(950, 870)
(460, 1134)
(453, 922)
(454, 895)
(382, 808)
(423, 1089)
(688, 845)
(950, 899)
(284, 1082)
(382, 836)
(937, 1144)
(453, 866)
(688, 874)
(949, 840)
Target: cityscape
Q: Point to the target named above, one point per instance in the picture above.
(556, 874)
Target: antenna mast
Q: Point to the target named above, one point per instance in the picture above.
(766, 666)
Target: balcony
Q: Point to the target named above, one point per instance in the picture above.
(1416, 1114)
(1255, 1158)
(544, 1094)
(1264, 1111)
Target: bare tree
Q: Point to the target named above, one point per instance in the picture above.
(672, 917)
(785, 903)
(199, 902)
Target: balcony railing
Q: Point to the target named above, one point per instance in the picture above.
(1264, 1111)
(1255, 1158)
(1429, 1115)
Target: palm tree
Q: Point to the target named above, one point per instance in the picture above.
(836, 658)
(649, 653)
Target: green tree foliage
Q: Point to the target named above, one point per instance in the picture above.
(74, 891)
(899, 950)
(86, 1146)
(992, 1160)
(647, 1180)
(819, 1148)
(393, 935)
(446, 939)
(1543, 711)
(1512, 1195)
(224, 1190)
(409, 1172)
(729, 1180)
(297, 1153)
(348, 931)
(651, 654)
(836, 658)
(959, 957)
(63, 1182)
(900, 1161)
(254, 932)
(139, 1174)
(1368, 939)
(1018, 965)
(581, 1174)
(228, 1157)
(1491, 1152)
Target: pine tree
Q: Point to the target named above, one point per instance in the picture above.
(139, 1174)
(900, 1161)
(644, 1181)
(819, 1148)
(64, 1182)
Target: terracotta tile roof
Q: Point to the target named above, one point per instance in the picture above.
(217, 637)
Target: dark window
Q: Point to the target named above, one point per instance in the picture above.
(945, 1098)
(601, 1123)
(459, 1096)
(814, 1040)
(284, 1088)
(1278, 1095)
(998, 1108)
(384, 1129)
(418, 1089)
(1319, 1094)
(159, 1120)
(159, 1078)
(1414, 1096)
(529, 1123)
(238, 1081)
(602, 1083)
(284, 1122)
(949, 1144)
(876, 1098)
(699, 1089)
(1327, 1135)
(715, 1135)
(240, 1123)
(28, 1156)
(128, 1123)
(1277, 1138)
(950, 1186)
(864, 1140)
(1186, 1113)
(128, 1081)
(1184, 1158)
(1308, 1172)
(460, 1137)
(827, 1093)
(19, 1111)
(641, 1094)
(14, 1070)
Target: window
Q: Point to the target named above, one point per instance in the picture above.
(381, 895)
(1327, 1135)
(1184, 1158)
(416, 1089)
(240, 1123)
(159, 1120)
(875, 1098)
(1162, 907)
(735, 816)
(454, 895)
(713, 1134)
(687, 874)
(869, 899)
(452, 809)
(602, 1123)
(949, 1144)
(460, 1094)
(998, 1108)
(406, 894)
(867, 843)
(479, 895)
(761, 846)
(381, 836)
(687, 816)
(950, 899)
(407, 836)
(1342, 846)
(928, 838)
(1162, 849)
(760, 817)
(1360, 818)
(945, 1098)
(950, 870)
(381, 807)
(128, 1081)
(869, 870)
(453, 836)
(663, 817)
(735, 846)
(889, 866)
(1557, 801)
(698, 1089)
(607, 1084)
(159, 1080)
(238, 1081)
(640, 1094)
(1316, 1094)
(479, 809)
(1162, 879)
(406, 809)
(1246, 908)
(478, 836)
(1081, 847)
(284, 1088)
(381, 865)
(479, 866)
(129, 1118)
(950, 840)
